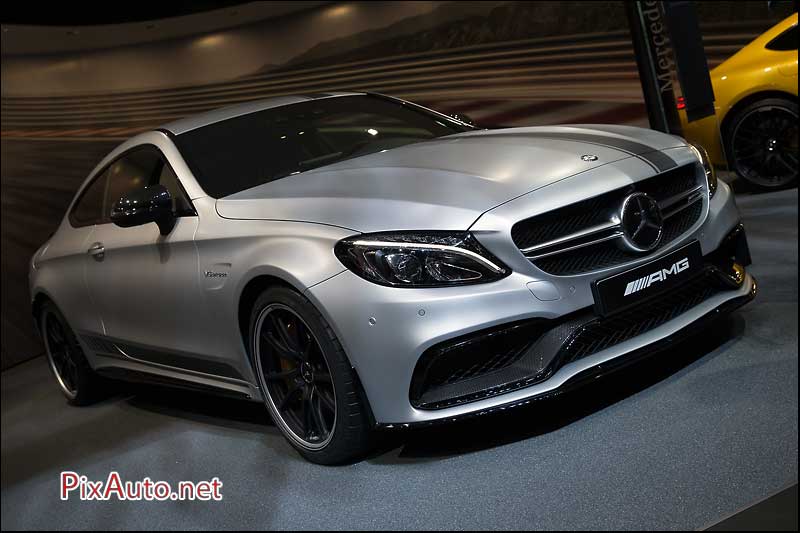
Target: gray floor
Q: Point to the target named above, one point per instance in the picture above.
(678, 442)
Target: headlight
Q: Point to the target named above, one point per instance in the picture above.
(711, 175)
(420, 259)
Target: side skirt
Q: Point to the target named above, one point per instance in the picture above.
(133, 362)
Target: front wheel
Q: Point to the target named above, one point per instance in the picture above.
(307, 383)
(761, 141)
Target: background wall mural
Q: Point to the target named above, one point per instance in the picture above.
(502, 63)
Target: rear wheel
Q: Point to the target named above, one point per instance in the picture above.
(76, 379)
(308, 385)
(762, 144)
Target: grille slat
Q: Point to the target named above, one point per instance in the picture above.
(577, 217)
(562, 222)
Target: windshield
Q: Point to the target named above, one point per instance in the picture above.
(241, 152)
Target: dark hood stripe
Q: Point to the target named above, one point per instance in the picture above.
(655, 158)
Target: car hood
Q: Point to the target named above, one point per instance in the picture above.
(442, 184)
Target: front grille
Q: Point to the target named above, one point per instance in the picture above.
(522, 354)
(680, 223)
(603, 333)
(564, 221)
(670, 183)
(608, 254)
(585, 236)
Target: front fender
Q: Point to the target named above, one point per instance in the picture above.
(232, 253)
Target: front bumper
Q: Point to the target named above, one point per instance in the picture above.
(593, 370)
(386, 331)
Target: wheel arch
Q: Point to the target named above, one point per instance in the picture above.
(40, 298)
(247, 298)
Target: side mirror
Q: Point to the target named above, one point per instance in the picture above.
(461, 117)
(150, 204)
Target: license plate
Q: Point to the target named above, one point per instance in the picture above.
(622, 290)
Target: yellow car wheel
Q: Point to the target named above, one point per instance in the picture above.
(761, 143)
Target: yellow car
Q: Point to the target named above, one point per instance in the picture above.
(756, 110)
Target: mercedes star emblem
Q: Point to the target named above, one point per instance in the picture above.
(642, 222)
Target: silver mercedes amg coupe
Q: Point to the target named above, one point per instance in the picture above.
(355, 261)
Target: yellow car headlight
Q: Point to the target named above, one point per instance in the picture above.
(711, 175)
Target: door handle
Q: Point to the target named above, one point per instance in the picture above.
(97, 251)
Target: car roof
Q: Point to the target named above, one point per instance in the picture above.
(204, 119)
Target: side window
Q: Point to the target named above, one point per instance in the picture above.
(137, 169)
(784, 42)
(133, 171)
(88, 209)
(168, 179)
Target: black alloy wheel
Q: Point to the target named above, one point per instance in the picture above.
(296, 376)
(61, 354)
(75, 377)
(763, 143)
(307, 383)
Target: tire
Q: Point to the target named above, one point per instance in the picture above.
(761, 143)
(328, 420)
(66, 359)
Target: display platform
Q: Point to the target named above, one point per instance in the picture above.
(682, 441)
